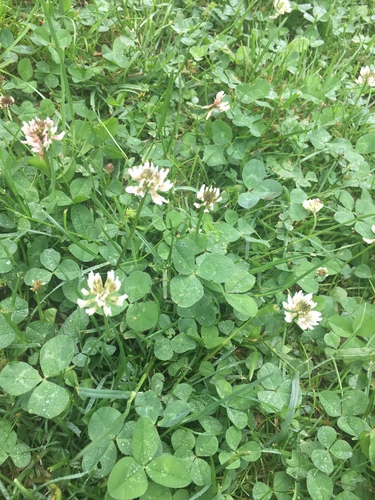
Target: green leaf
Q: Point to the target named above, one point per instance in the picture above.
(365, 144)
(327, 436)
(147, 404)
(261, 492)
(215, 267)
(20, 454)
(146, 440)
(50, 259)
(322, 461)
(221, 133)
(186, 290)
(206, 445)
(7, 331)
(183, 256)
(18, 378)
(353, 426)
(106, 421)
(341, 449)
(25, 69)
(127, 480)
(248, 93)
(331, 403)
(68, 270)
(137, 285)
(200, 472)
(248, 200)
(18, 308)
(355, 402)
(240, 282)
(253, 173)
(85, 252)
(250, 451)
(37, 275)
(169, 471)
(242, 303)
(157, 491)
(233, 437)
(80, 190)
(56, 355)
(319, 486)
(100, 459)
(174, 413)
(270, 376)
(48, 400)
(142, 316)
(214, 156)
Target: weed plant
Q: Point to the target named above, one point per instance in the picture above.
(187, 224)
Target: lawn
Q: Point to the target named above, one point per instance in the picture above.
(187, 250)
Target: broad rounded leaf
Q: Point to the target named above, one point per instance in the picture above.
(50, 259)
(145, 440)
(105, 421)
(253, 173)
(365, 144)
(186, 290)
(7, 333)
(250, 452)
(242, 303)
(99, 460)
(137, 285)
(56, 355)
(200, 472)
(48, 400)
(18, 378)
(142, 316)
(37, 276)
(322, 461)
(127, 480)
(169, 471)
(18, 308)
(319, 485)
(215, 267)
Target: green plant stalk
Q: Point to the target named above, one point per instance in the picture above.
(132, 231)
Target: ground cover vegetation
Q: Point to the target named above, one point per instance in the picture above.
(187, 232)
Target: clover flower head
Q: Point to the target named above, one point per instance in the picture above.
(6, 102)
(40, 134)
(301, 307)
(218, 104)
(281, 7)
(321, 272)
(313, 205)
(150, 180)
(208, 196)
(101, 296)
(366, 75)
(369, 241)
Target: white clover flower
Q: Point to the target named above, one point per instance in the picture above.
(150, 180)
(40, 134)
(218, 104)
(370, 240)
(6, 102)
(322, 272)
(313, 205)
(281, 7)
(301, 307)
(101, 296)
(209, 196)
(366, 75)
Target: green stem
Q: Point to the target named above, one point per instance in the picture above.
(131, 234)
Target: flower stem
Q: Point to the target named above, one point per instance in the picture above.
(131, 233)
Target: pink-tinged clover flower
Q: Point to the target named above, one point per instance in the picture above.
(39, 134)
(300, 307)
(101, 296)
(208, 196)
(150, 180)
(218, 104)
(6, 102)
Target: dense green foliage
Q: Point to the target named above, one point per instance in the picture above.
(204, 383)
